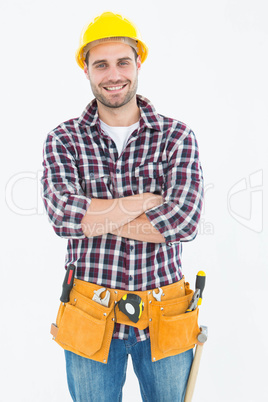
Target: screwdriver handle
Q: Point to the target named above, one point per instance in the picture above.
(67, 284)
(200, 284)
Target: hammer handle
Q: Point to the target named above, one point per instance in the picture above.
(193, 373)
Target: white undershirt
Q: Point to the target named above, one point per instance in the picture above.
(119, 135)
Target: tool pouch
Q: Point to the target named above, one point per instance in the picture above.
(84, 327)
(172, 331)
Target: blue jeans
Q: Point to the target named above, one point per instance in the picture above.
(161, 381)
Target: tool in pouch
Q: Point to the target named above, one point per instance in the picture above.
(198, 294)
(66, 289)
(158, 295)
(103, 301)
(68, 283)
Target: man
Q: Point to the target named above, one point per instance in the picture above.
(124, 185)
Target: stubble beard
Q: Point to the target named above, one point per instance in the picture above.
(114, 104)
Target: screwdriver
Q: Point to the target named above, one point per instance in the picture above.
(200, 284)
(199, 287)
(67, 284)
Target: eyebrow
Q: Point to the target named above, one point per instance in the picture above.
(105, 61)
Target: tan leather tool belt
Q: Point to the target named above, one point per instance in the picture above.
(86, 327)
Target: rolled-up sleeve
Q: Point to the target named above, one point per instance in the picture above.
(62, 194)
(177, 218)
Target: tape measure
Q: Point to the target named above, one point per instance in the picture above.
(132, 306)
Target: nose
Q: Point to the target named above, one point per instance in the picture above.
(114, 74)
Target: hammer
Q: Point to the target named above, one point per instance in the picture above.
(202, 337)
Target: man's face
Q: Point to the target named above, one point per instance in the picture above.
(113, 73)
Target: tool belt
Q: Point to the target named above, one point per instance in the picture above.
(86, 327)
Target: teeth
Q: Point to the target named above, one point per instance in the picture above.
(114, 88)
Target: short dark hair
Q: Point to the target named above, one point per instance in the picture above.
(135, 55)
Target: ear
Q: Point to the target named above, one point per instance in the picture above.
(86, 70)
(139, 63)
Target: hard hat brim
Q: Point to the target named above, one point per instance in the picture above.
(142, 51)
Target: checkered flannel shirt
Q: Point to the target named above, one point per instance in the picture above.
(161, 157)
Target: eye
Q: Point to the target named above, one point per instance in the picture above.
(102, 65)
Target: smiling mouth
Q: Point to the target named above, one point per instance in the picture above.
(115, 88)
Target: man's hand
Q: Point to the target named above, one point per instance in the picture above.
(107, 216)
(140, 229)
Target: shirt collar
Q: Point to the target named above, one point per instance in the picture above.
(90, 116)
(149, 116)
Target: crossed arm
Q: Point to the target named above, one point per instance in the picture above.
(123, 217)
(177, 216)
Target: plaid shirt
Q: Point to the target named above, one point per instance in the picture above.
(161, 157)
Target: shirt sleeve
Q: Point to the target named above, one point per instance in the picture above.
(62, 194)
(177, 218)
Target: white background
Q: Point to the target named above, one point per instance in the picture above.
(207, 66)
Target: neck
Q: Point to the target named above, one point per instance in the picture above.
(123, 116)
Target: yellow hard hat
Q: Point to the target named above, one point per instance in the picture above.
(110, 25)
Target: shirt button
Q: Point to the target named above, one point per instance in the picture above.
(117, 170)
(91, 175)
(131, 278)
(131, 248)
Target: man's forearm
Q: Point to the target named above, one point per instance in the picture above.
(140, 229)
(105, 216)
